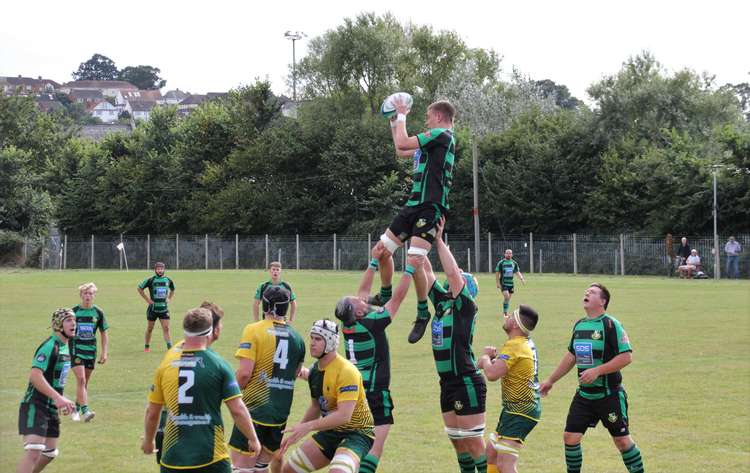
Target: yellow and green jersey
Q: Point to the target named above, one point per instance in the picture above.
(192, 384)
(277, 350)
(339, 382)
(88, 321)
(433, 168)
(595, 342)
(521, 382)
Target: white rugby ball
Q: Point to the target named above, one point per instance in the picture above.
(388, 109)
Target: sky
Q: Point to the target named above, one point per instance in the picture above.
(214, 46)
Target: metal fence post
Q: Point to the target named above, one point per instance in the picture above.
(25, 249)
(221, 258)
(489, 252)
(296, 248)
(205, 251)
(334, 251)
(268, 262)
(92, 251)
(148, 250)
(369, 246)
(575, 255)
(622, 255)
(120, 253)
(65, 251)
(42, 254)
(540, 262)
(468, 259)
(177, 250)
(236, 251)
(531, 252)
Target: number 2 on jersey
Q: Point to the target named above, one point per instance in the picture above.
(282, 353)
(189, 377)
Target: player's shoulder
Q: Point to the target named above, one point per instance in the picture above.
(610, 321)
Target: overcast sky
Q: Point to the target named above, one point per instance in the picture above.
(212, 46)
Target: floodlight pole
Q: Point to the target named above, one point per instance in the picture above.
(717, 265)
(475, 210)
(294, 36)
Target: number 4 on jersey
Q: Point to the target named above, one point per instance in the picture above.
(281, 357)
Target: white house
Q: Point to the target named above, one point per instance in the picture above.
(173, 97)
(140, 110)
(109, 88)
(104, 111)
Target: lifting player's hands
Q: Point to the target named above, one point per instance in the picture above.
(253, 446)
(293, 434)
(439, 227)
(65, 405)
(401, 106)
(377, 250)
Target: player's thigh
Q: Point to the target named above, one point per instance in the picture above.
(307, 457)
(582, 414)
(164, 321)
(381, 434)
(80, 371)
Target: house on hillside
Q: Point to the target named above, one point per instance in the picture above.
(139, 109)
(139, 96)
(173, 97)
(85, 96)
(108, 88)
(190, 103)
(103, 110)
(48, 103)
(27, 85)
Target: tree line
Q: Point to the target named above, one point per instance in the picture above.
(638, 160)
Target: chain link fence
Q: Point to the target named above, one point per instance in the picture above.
(575, 253)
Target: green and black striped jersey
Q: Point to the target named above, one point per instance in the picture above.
(507, 268)
(366, 345)
(158, 289)
(595, 342)
(53, 359)
(88, 321)
(433, 168)
(453, 332)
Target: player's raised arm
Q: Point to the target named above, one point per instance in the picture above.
(452, 272)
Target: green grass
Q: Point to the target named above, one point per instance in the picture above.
(688, 385)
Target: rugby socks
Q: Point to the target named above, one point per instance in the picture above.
(369, 464)
(169, 345)
(574, 458)
(78, 407)
(423, 312)
(385, 294)
(465, 462)
(480, 463)
(506, 307)
(83, 408)
(632, 459)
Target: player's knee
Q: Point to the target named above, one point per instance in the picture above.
(390, 245)
(623, 443)
(416, 261)
(34, 449)
(50, 453)
(343, 463)
(572, 438)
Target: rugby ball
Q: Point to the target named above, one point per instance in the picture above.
(388, 109)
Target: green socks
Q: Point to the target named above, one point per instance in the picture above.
(632, 459)
(369, 464)
(573, 458)
(423, 312)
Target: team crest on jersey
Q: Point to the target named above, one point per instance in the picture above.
(624, 338)
(421, 222)
(41, 357)
(612, 417)
(77, 360)
(596, 335)
(458, 405)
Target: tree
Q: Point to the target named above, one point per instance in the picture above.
(143, 77)
(99, 67)
(24, 208)
(559, 93)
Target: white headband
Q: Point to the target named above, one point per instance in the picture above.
(204, 333)
(517, 318)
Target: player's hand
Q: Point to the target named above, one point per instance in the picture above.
(400, 105)
(253, 446)
(589, 375)
(65, 405)
(103, 358)
(544, 388)
(304, 373)
(292, 435)
(148, 447)
(490, 351)
(149, 301)
(439, 229)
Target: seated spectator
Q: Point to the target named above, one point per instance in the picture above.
(692, 265)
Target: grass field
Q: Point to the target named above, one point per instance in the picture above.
(688, 385)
